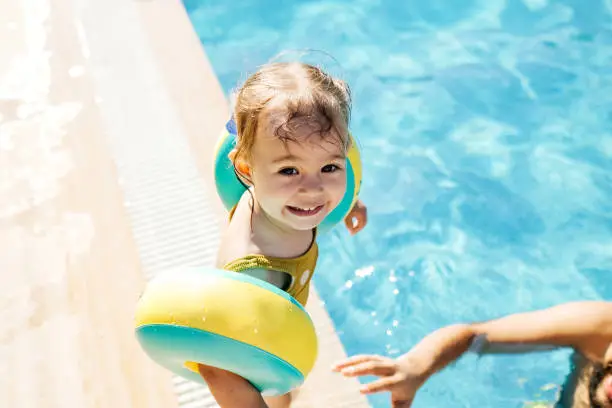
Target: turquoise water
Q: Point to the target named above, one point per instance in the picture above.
(485, 132)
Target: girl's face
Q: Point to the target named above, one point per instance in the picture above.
(297, 182)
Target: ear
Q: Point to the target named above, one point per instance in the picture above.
(241, 166)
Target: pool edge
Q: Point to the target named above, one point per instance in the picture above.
(68, 246)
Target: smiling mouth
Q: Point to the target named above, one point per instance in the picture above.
(305, 211)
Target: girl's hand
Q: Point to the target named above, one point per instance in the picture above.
(357, 219)
(402, 377)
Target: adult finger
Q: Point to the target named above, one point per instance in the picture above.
(357, 359)
(372, 367)
(382, 384)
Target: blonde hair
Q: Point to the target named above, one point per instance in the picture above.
(307, 94)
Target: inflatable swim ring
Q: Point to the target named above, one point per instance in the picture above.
(227, 320)
(230, 189)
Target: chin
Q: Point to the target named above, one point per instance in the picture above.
(308, 224)
(304, 226)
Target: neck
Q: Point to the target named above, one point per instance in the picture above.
(264, 219)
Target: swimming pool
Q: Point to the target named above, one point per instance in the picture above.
(485, 132)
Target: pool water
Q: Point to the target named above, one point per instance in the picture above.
(485, 133)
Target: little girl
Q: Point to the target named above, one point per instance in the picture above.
(292, 126)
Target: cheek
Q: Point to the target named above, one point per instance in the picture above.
(274, 186)
(337, 187)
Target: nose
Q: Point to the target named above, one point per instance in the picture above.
(311, 184)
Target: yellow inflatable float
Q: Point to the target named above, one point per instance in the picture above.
(230, 320)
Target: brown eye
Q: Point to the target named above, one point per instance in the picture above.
(288, 171)
(330, 168)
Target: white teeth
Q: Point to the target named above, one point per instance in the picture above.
(307, 208)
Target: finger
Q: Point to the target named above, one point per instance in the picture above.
(349, 221)
(363, 216)
(355, 223)
(379, 368)
(360, 222)
(382, 384)
(357, 359)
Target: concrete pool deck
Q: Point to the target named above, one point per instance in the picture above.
(108, 114)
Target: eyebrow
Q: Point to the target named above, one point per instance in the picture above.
(291, 157)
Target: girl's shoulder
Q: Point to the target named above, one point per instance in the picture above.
(237, 240)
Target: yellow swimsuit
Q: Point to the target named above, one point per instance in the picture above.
(300, 268)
